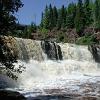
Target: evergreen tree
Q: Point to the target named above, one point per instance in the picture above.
(42, 18)
(46, 18)
(51, 21)
(27, 33)
(7, 17)
(55, 16)
(88, 13)
(71, 13)
(97, 13)
(59, 20)
(79, 19)
(63, 16)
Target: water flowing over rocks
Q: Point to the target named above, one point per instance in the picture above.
(26, 49)
(52, 50)
(59, 71)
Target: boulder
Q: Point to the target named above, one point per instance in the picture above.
(11, 95)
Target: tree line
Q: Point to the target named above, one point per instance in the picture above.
(79, 15)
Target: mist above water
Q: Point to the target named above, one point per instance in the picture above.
(52, 65)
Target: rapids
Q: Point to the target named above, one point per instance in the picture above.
(59, 66)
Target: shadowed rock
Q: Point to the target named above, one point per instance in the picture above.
(95, 50)
(11, 95)
(52, 50)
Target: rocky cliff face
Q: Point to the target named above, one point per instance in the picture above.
(8, 50)
(95, 50)
(9, 44)
(12, 49)
(52, 50)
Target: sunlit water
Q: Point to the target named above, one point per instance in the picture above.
(77, 73)
(58, 77)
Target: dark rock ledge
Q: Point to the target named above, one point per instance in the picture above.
(11, 95)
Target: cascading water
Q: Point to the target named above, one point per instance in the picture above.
(49, 65)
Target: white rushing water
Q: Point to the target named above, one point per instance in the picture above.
(77, 67)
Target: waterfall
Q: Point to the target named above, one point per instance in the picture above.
(50, 64)
(29, 49)
(52, 50)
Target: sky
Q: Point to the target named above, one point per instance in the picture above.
(32, 9)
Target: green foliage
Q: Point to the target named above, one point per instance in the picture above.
(61, 22)
(97, 14)
(79, 20)
(61, 37)
(71, 13)
(63, 16)
(27, 33)
(8, 26)
(88, 13)
(86, 40)
(83, 14)
(46, 18)
(41, 24)
(55, 16)
(51, 21)
(7, 18)
(44, 32)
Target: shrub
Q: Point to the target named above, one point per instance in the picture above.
(61, 37)
(44, 32)
(86, 40)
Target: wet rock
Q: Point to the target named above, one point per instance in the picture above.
(52, 50)
(51, 97)
(11, 95)
(88, 98)
(9, 42)
(95, 50)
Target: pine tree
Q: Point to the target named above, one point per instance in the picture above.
(97, 13)
(55, 16)
(79, 19)
(59, 20)
(46, 18)
(51, 21)
(42, 18)
(63, 16)
(61, 23)
(71, 13)
(88, 13)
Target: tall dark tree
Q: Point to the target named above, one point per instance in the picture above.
(46, 18)
(61, 18)
(55, 16)
(51, 21)
(42, 18)
(71, 13)
(88, 13)
(79, 19)
(97, 13)
(7, 18)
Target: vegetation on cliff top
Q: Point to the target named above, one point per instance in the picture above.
(80, 16)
